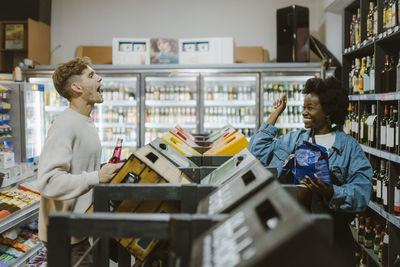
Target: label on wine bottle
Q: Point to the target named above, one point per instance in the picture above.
(390, 136)
(383, 135)
(397, 199)
(384, 195)
(379, 189)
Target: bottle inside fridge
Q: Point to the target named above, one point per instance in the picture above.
(230, 99)
(169, 101)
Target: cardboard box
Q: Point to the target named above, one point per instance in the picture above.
(97, 54)
(14, 36)
(131, 51)
(206, 50)
(7, 160)
(249, 54)
(164, 51)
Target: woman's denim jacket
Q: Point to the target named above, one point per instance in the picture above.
(347, 162)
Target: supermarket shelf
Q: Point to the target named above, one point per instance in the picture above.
(381, 154)
(124, 144)
(376, 97)
(125, 103)
(229, 103)
(390, 217)
(363, 49)
(390, 36)
(55, 108)
(369, 251)
(289, 103)
(235, 125)
(23, 260)
(169, 103)
(170, 125)
(114, 124)
(230, 79)
(289, 125)
(20, 216)
(287, 78)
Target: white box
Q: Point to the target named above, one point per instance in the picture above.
(6, 160)
(12, 175)
(131, 51)
(206, 50)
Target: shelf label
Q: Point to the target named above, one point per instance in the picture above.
(396, 29)
(385, 34)
(390, 31)
(380, 36)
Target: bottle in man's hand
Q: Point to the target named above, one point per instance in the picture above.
(116, 157)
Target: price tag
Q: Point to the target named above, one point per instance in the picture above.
(385, 34)
(345, 50)
(353, 47)
(380, 36)
(390, 31)
(396, 29)
(358, 45)
(365, 42)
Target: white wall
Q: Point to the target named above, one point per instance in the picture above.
(96, 22)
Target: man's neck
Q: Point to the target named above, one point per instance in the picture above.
(81, 107)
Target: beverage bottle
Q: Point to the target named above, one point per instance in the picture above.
(397, 197)
(116, 157)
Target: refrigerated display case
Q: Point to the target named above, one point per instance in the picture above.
(115, 117)
(169, 101)
(274, 85)
(27, 120)
(230, 98)
(199, 98)
(54, 104)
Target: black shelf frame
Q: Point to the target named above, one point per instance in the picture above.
(370, 252)
(387, 42)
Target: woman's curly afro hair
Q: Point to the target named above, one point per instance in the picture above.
(332, 96)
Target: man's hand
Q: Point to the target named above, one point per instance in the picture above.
(277, 108)
(319, 187)
(107, 172)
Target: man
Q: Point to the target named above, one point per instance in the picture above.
(69, 164)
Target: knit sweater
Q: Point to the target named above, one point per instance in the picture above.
(68, 167)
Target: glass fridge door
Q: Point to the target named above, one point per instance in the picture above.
(170, 101)
(117, 116)
(33, 120)
(54, 104)
(230, 98)
(274, 86)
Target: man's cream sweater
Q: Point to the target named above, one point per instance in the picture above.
(68, 167)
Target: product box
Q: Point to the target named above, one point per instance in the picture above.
(10, 175)
(249, 54)
(206, 50)
(97, 54)
(14, 36)
(6, 160)
(131, 51)
(164, 51)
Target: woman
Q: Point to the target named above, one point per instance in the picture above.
(325, 109)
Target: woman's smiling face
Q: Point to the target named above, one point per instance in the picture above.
(313, 115)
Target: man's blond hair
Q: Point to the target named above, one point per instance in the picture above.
(65, 73)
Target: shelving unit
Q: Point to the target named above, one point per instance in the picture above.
(369, 251)
(386, 42)
(36, 49)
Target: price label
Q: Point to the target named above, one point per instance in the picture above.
(385, 34)
(390, 31)
(353, 47)
(380, 36)
(365, 42)
(396, 29)
(358, 45)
